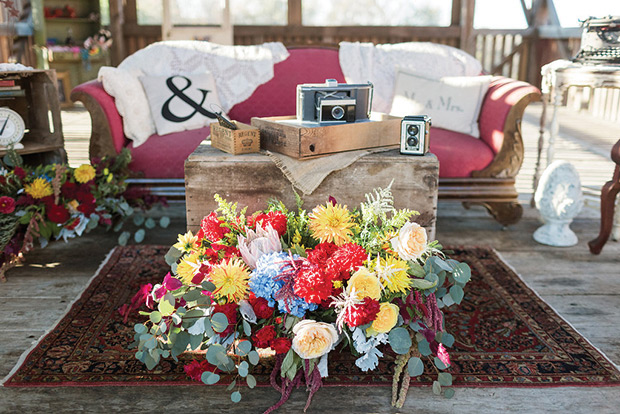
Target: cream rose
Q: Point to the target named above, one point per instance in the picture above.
(385, 320)
(313, 339)
(410, 243)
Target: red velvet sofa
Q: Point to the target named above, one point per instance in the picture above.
(480, 171)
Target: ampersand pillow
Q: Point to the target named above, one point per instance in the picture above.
(181, 102)
(452, 102)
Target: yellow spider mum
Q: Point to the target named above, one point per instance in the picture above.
(189, 267)
(39, 188)
(186, 242)
(84, 173)
(230, 278)
(392, 272)
(331, 223)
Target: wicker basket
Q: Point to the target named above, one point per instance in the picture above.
(8, 225)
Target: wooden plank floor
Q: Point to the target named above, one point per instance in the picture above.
(584, 289)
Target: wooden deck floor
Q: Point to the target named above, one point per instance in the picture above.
(584, 289)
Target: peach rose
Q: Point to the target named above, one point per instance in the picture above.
(410, 243)
(365, 283)
(313, 339)
(385, 320)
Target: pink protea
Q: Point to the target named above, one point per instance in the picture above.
(258, 243)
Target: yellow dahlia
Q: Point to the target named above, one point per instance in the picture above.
(365, 284)
(189, 267)
(331, 223)
(230, 278)
(39, 188)
(186, 242)
(84, 173)
(392, 273)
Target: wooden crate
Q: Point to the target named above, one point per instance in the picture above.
(284, 134)
(244, 140)
(252, 179)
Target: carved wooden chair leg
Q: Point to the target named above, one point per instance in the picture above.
(608, 200)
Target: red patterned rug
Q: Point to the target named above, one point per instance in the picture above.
(505, 336)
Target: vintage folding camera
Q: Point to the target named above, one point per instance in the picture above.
(414, 134)
(333, 102)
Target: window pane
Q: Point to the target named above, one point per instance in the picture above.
(265, 12)
(104, 9)
(376, 13)
(570, 12)
(505, 14)
(183, 12)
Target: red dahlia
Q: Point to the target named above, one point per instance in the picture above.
(348, 258)
(57, 214)
(195, 369)
(261, 308)
(211, 227)
(321, 253)
(276, 219)
(281, 345)
(363, 313)
(312, 284)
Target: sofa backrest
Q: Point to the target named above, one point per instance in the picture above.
(277, 97)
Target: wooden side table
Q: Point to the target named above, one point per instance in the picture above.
(557, 77)
(252, 179)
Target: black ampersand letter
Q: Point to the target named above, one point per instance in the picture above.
(176, 92)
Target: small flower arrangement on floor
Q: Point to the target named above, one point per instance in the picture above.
(51, 202)
(297, 285)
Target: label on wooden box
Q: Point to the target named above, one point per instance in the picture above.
(244, 140)
(286, 135)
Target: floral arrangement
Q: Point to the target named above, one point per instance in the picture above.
(61, 202)
(296, 285)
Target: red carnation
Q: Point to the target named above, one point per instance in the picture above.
(18, 171)
(312, 284)
(276, 219)
(321, 253)
(7, 205)
(363, 313)
(345, 260)
(195, 369)
(281, 345)
(57, 214)
(230, 310)
(211, 228)
(261, 308)
(263, 336)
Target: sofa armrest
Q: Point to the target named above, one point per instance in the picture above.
(500, 125)
(107, 137)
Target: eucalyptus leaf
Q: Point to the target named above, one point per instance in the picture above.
(138, 219)
(447, 339)
(253, 357)
(449, 393)
(195, 341)
(150, 223)
(436, 388)
(212, 353)
(164, 222)
(208, 286)
(123, 238)
(155, 317)
(424, 347)
(235, 397)
(399, 340)
(287, 363)
(247, 329)
(445, 379)
(250, 380)
(165, 307)
(209, 378)
(231, 385)
(243, 369)
(462, 273)
(139, 236)
(423, 284)
(439, 363)
(172, 256)
(219, 322)
(139, 328)
(415, 367)
(244, 348)
(457, 293)
(447, 300)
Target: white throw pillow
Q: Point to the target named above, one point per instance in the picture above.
(181, 102)
(452, 102)
(131, 103)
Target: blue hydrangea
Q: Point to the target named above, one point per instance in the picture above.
(262, 283)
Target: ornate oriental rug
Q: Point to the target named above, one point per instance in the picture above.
(505, 336)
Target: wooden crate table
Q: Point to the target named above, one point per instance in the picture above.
(252, 179)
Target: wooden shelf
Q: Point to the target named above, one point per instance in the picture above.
(32, 148)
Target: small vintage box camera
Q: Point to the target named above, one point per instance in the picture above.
(414, 134)
(333, 102)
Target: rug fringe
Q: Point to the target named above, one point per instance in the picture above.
(27, 352)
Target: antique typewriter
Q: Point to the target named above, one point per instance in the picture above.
(600, 41)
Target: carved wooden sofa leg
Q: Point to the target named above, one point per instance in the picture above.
(505, 213)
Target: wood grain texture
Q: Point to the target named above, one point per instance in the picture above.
(252, 179)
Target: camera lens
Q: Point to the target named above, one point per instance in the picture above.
(413, 130)
(337, 112)
(412, 141)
